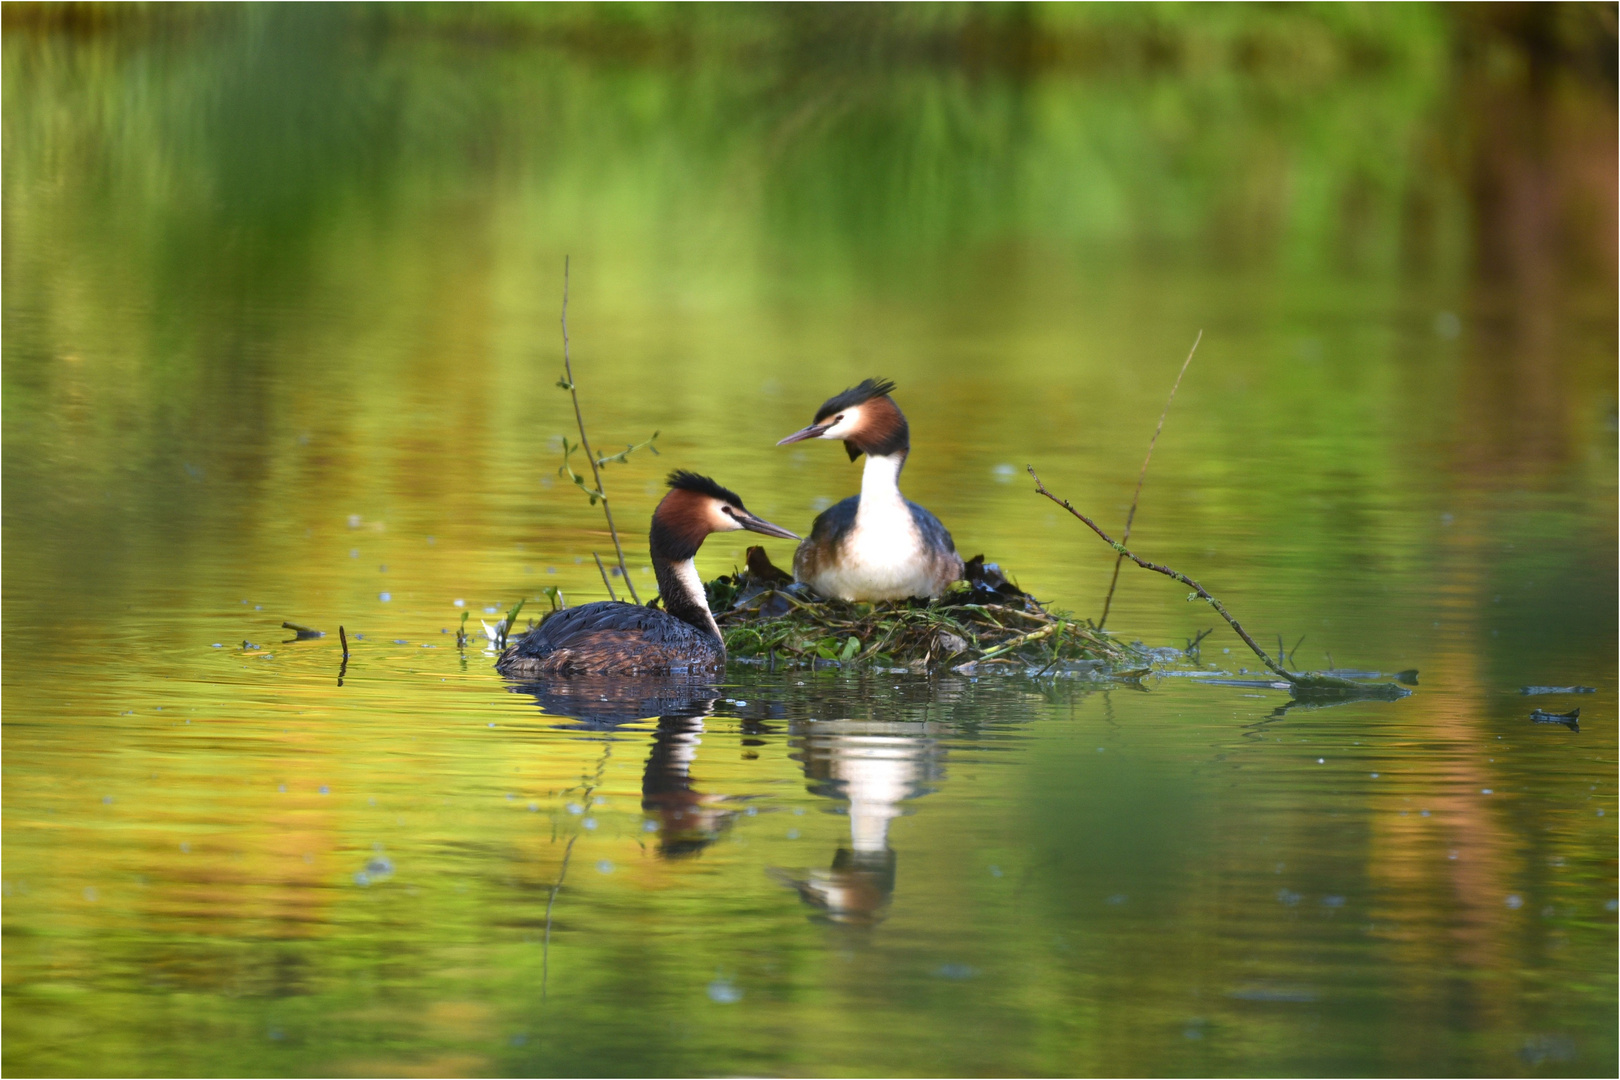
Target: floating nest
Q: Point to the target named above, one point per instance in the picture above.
(983, 623)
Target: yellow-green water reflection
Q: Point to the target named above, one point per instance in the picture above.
(280, 301)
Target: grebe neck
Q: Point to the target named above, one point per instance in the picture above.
(880, 480)
(682, 590)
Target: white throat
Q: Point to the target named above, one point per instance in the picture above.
(687, 579)
(880, 481)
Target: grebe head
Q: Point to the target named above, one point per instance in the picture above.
(865, 417)
(695, 507)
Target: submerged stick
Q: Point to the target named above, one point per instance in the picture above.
(585, 442)
(1142, 476)
(1176, 575)
(611, 594)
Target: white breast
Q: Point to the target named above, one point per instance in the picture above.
(882, 557)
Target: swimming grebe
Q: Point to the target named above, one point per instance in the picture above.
(611, 637)
(877, 545)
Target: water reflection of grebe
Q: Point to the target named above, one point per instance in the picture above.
(876, 766)
(688, 820)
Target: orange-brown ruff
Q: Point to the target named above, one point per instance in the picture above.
(615, 638)
(877, 545)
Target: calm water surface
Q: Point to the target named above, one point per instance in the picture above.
(280, 342)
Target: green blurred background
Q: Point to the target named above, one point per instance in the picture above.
(281, 287)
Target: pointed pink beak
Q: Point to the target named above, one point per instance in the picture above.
(811, 432)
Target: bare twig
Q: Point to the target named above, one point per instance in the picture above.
(1023, 639)
(1142, 476)
(611, 594)
(585, 442)
(1176, 575)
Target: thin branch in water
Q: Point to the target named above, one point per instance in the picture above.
(1175, 575)
(585, 442)
(611, 594)
(343, 665)
(1142, 476)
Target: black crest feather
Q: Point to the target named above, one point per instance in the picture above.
(855, 395)
(686, 480)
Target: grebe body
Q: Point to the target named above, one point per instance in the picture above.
(615, 638)
(877, 545)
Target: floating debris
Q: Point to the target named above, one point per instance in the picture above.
(303, 633)
(1571, 720)
(1332, 686)
(1557, 689)
(1408, 677)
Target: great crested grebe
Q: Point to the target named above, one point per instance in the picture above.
(611, 637)
(877, 545)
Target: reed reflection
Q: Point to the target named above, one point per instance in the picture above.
(876, 767)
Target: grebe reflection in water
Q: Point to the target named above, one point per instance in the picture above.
(877, 766)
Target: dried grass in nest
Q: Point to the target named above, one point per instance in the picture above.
(982, 622)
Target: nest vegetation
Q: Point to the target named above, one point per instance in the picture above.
(982, 623)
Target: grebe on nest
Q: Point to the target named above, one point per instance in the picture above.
(611, 637)
(877, 545)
